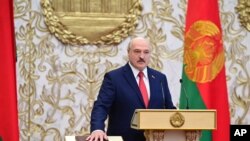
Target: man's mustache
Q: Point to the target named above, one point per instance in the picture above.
(141, 60)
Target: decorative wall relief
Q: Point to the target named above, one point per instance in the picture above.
(244, 14)
(79, 22)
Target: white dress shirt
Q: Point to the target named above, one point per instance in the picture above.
(145, 78)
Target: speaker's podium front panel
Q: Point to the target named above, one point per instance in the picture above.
(171, 124)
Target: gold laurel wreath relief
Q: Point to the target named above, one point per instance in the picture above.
(114, 36)
(244, 14)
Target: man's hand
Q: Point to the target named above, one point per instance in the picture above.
(97, 135)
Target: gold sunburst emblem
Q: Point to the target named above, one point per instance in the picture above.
(80, 22)
(244, 15)
(203, 52)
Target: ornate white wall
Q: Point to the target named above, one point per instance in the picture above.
(58, 83)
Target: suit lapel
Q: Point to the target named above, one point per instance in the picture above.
(153, 82)
(129, 76)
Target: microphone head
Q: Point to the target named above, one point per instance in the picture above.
(180, 80)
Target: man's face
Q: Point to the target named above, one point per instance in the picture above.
(139, 54)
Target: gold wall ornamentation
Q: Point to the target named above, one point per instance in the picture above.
(91, 21)
(237, 65)
(244, 15)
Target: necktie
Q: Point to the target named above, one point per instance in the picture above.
(143, 89)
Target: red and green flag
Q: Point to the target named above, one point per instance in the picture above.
(203, 79)
(8, 99)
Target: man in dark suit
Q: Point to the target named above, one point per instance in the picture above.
(121, 94)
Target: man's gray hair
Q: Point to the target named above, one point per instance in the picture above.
(135, 38)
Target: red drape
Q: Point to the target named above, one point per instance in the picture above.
(8, 98)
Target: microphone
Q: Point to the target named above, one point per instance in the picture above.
(163, 96)
(185, 93)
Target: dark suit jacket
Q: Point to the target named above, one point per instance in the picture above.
(120, 95)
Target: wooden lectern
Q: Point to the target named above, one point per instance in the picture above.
(172, 124)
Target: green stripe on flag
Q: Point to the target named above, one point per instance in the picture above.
(192, 94)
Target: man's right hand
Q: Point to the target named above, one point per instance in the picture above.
(97, 135)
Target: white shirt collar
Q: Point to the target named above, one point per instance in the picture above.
(136, 71)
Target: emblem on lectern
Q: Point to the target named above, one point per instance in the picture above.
(177, 119)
